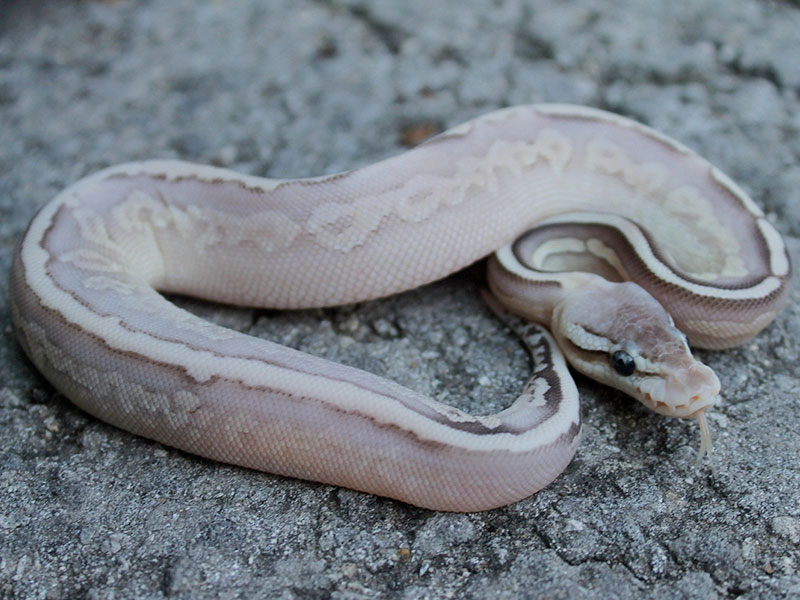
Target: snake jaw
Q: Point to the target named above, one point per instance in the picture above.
(683, 393)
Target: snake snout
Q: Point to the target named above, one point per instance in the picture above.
(692, 389)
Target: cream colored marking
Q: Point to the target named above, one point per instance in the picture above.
(539, 257)
(344, 226)
(684, 202)
(202, 366)
(763, 288)
(208, 229)
(91, 261)
(586, 339)
(600, 250)
(604, 156)
(778, 259)
(104, 284)
(104, 382)
(93, 229)
(175, 170)
(642, 364)
(656, 388)
(694, 208)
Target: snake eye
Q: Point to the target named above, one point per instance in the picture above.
(623, 363)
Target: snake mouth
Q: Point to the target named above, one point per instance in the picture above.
(683, 393)
(685, 410)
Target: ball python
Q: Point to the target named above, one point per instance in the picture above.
(584, 210)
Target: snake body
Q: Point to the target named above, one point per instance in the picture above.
(551, 186)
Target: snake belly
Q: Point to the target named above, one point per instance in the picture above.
(86, 279)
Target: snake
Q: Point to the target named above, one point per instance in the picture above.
(617, 245)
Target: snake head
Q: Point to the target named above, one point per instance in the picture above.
(621, 336)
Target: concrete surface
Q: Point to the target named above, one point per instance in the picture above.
(304, 87)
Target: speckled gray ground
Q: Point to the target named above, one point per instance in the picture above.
(302, 87)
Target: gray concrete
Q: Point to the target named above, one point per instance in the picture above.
(303, 87)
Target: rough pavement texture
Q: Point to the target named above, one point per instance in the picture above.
(303, 87)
